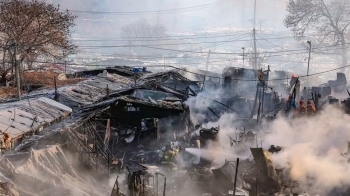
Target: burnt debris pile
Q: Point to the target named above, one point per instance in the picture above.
(160, 133)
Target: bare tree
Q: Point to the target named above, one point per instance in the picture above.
(326, 20)
(36, 28)
(142, 32)
(158, 30)
(127, 34)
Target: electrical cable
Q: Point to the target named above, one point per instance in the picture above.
(191, 36)
(167, 38)
(192, 8)
(265, 80)
(174, 44)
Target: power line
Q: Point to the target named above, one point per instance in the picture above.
(192, 8)
(203, 35)
(270, 42)
(266, 80)
(163, 38)
(175, 44)
(171, 39)
(284, 51)
(318, 73)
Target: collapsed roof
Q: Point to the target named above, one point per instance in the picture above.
(20, 118)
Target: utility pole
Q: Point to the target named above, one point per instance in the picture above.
(308, 65)
(264, 88)
(55, 81)
(255, 51)
(65, 62)
(260, 24)
(243, 54)
(254, 21)
(18, 82)
(208, 58)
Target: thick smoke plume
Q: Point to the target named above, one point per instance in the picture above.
(314, 147)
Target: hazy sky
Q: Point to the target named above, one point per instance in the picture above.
(200, 15)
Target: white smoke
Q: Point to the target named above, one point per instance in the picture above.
(313, 148)
(199, 105)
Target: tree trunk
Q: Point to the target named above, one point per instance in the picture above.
(3, 58)
(3, 78)
(30, 65)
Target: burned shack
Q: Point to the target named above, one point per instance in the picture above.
(173, 80)
(22, 119)
(240, 80)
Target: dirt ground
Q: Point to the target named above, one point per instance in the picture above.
(44, 78)
(7, 92)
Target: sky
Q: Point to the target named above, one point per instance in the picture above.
(199, 15)
(103, 19)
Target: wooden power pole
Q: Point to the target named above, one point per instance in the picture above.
(17, 67)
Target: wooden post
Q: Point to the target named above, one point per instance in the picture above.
(118, 192)
(17, 74)
(164, 186)
(107, 92)
(107, 135)
(96, 155)
(55, 81)
(234, 185)
(257, 117)
(108, 164)
(256, 185)
(143, 187)
(157, 129)
(135, 79)
(157, 184)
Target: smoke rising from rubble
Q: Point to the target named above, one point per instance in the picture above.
(199, 105)
(314, 147)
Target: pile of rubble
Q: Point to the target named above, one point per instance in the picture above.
(123, 120)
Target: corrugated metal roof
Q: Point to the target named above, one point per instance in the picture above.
(159, 104)
(93, 90)
(24, 116)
